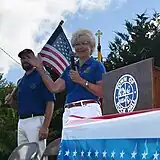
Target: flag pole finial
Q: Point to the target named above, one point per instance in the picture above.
(99, 34)
(61, 22)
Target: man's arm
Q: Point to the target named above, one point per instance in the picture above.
(48, 114)
(11, 99)
(49, 99)
(44, 130)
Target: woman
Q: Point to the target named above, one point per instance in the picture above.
(83, 86)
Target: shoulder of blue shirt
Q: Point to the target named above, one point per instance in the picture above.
(98, 65)
(47, 73)
(101, 66)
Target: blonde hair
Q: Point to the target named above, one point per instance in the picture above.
(84, 32)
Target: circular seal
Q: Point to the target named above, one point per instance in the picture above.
(126, 94)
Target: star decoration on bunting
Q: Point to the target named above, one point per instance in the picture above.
(122, 154)
(133, 154)
(89, 153)
(82, 153)
(104, 153)
(96, 154)
(59, 152)
(155, 156)
(67, 153)
(144, 154)
(113, 154)
(117, 152)
(74, 153)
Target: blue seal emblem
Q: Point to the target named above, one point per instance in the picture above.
(126, 94)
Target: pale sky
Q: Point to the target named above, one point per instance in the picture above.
(30, 23)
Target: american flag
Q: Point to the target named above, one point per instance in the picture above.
(114, 137)
(56, 52)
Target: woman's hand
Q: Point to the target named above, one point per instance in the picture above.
(75, 77)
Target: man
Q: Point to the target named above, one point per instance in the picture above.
(35, 105)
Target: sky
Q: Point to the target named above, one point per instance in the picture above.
(30, 23)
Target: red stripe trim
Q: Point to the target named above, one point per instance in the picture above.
(110, 116)
(56, 54)
(55, 69)
(53, 60)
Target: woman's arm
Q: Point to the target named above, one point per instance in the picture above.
(96, 89)
(56, 87)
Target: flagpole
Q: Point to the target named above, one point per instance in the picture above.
(98, 34)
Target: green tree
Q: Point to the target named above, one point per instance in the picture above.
(8, 121)
(141, 41)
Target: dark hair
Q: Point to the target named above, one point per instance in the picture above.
(24, 52)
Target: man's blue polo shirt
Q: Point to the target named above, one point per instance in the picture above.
(92, 71)
(32, 95)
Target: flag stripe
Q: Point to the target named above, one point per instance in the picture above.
(53, 65)
(55, 52)
(54, 69)
(54, 61)
(49, 54)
